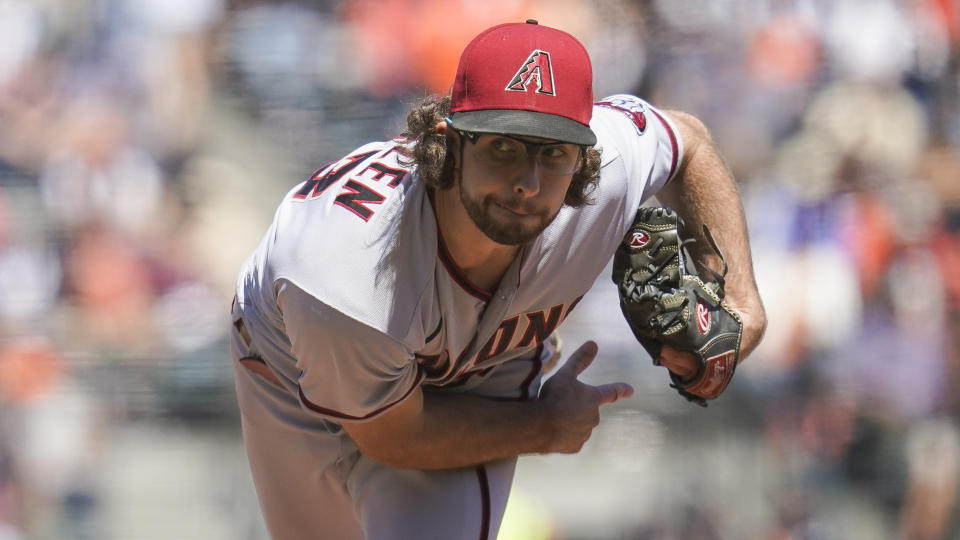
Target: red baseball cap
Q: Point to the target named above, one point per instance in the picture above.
(525, 79)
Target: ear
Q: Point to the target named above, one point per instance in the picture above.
(444, 129)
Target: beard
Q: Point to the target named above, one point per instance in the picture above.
(501, 231)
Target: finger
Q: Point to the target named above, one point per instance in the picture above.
(680, 370)
(580, 359)
(614, 391)
(681, 363)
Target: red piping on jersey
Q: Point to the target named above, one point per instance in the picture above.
(537, 364)
(457, 274)
(673, 143)
(436, 332)
(258, 366)
(336, 414)
(484, 502)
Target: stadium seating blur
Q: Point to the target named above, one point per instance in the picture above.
(144, 145)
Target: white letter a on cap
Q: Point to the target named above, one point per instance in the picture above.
(535, 68)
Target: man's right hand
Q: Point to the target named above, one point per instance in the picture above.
(430, 430)
(572, 408)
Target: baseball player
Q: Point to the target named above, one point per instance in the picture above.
(391, 329)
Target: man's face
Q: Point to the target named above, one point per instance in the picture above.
(513, 187)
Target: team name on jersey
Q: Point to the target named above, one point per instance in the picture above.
(537, 326)
(524, 331)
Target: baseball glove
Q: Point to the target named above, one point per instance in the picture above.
(665, 303)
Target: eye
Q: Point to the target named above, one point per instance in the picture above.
(555, 151)
(503, 151)
(503, 145)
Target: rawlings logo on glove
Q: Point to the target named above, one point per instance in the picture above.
(665, 304)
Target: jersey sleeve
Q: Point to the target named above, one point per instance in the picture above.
(643, 139)
(348, 371)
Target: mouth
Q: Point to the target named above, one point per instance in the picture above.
(514, 210)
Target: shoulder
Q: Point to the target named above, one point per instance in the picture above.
(376, 169)
(359, 235)
(350, 203)
(641, 150)
(625, 118)
(644, 139)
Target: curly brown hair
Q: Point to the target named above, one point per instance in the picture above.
(431, 149)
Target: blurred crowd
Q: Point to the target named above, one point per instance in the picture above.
(145, 143)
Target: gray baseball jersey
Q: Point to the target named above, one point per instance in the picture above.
(351, 301)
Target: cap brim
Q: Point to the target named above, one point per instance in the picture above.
(525, 123)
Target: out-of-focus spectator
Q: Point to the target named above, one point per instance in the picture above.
(29, 107)
(30, 281)
(172, 40)
(97, 175)
(21, 26)
(54, 424)
(28, 370)
(783, 53)
(870, 40)
(933, 458)
(109, 286)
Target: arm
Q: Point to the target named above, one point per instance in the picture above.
(705, 192)
(364, 380)
(438, 431)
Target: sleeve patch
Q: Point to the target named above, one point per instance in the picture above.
(630, 106)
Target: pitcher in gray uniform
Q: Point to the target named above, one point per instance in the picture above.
(391, 329)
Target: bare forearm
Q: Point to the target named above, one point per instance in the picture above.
(705, 193)
(462, 430)
(441, 431)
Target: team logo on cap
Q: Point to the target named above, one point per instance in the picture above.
(535, 69)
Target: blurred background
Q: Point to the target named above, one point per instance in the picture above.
(144, 145)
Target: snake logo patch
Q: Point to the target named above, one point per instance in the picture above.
(703, 317)
(629, 106)
(638, 239)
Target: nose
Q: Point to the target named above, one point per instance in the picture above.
(526, 182)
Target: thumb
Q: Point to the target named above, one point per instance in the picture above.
(613, 391)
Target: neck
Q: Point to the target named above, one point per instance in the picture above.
(483, 260)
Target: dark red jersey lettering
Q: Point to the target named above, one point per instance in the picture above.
(539, 326)
(320, 181)
(499, 341)
(382, 171)
(355, 195)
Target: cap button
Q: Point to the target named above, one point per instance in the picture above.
(532, 21)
